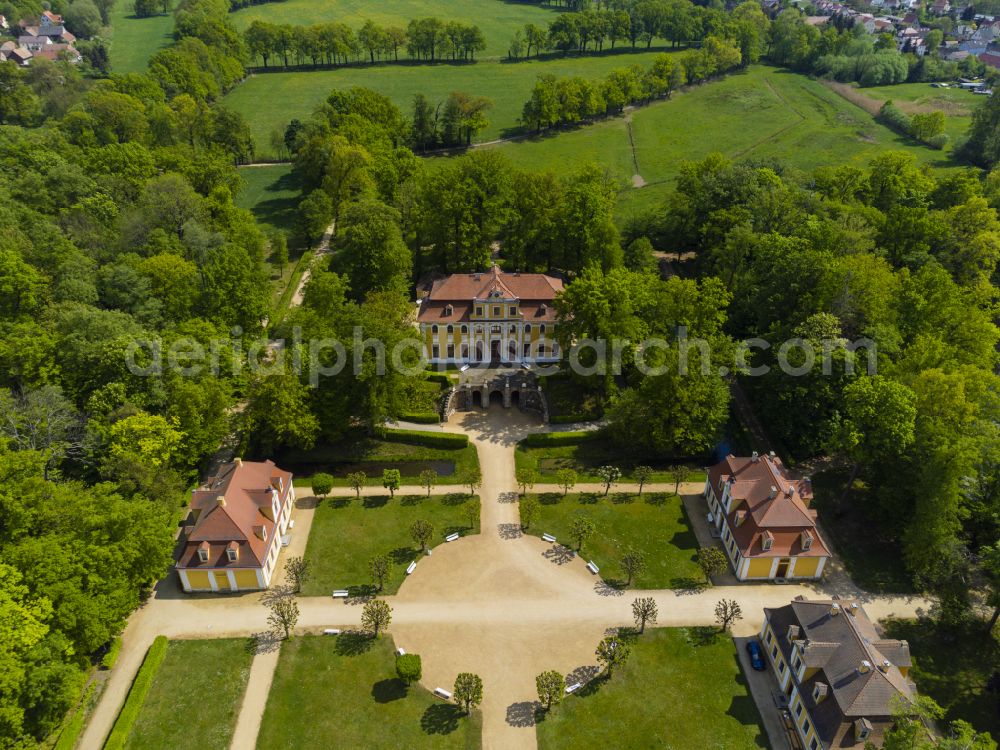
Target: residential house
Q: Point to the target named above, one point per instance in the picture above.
(990, 58)
(20, 55)
(843, 680)
(33, 43)
(764, 519)
(940, 7)
(490, 318)
(240, 515)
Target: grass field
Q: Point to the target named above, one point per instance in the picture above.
(346, 533)
(498, 19)
(680, 688)
(135, 40)
(272, 193)
(654, 524)
(270, 100)
(372, 456)
(195, 698)
(343, 692)
(762, 113)
(586, 457)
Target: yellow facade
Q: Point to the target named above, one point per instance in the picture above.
(802, 720)
(198, 580)
(806, 567)
(221, 580)
(760, 567)
(246, 579)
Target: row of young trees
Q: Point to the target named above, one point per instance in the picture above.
(337, 44)
(674, 21)
(570, 100)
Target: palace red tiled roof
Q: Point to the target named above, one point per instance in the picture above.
(535, 293)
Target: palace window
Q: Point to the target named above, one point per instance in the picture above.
(527, 328)
(435, 351)
(541, 328)
(513, 311)
(434, 329)
(465, 329)
(527, 350)
(497, 312)
(479, 311)
(451, 351)
(450, 329)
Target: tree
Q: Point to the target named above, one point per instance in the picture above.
(471, 510)
(642, 475)
(468, 691)
(612, 652)
(712, 561)
(634, 564)
(566, 478)
(473, 479)
(380, 566)
(279, 251)
(297, 571)
(580, 530)
(551, 687)
(679, 473)
(421, 531)
(423, 131)
(371, 250)
(526, 479)
(727, 611)
(83, 18)
(428, 478)
(391, 480)
(357, 480)
(284, 613)
(529, 507)
(609, 475)
(990, 565)
(322, 484)
(408, 668)
(376, 616)
(644, 610)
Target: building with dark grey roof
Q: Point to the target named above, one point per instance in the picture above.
(843, 680)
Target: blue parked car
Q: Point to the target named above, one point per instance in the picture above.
(756, 659)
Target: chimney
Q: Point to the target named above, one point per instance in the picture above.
(854, 609)
(884, 665)
(834, 610)
(866, 667)
(221, 500)
(755, 457)
(238, 460)
(774, 491)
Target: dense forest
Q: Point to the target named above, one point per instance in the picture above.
(119, 227)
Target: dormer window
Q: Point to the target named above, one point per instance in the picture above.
(233, 552)
(792, 633)
(820, 691)
(203, 553)
(449, 310)
(807, 541)
(767, 541)
(862, 728)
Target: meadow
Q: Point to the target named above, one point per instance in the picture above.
(498, 19)
(270, 100)
(134, 40)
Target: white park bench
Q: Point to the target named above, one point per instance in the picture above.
(331, 631)
(400, 652)
(341, 594)
(451, 537)
(548, 537)
(574, 687)
(442, 694)
(593, 568)
(411, 567)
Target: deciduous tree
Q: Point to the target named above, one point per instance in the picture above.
(376, 616)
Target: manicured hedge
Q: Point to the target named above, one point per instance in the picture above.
(427, 439)
(109, 659)
(552, 439)
(74, 727)
(423, 417)
(439, 377)
(137, 694)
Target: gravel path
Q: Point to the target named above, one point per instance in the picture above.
(500, 604)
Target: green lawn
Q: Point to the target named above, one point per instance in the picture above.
(347, 533)
(586, 457)
(952, 666)
(497, 19)
(342, 691)
(762, 113)
(871, 558)
(195, 697)
(680, 689)
(372, 456)
(270, 100)
(272, 194)
(135, 40)
(654, 524)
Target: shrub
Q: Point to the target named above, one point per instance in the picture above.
(938, 141)
(552, 439)
(109, 659)
(423, 417)
(408, 668)
(446, 440)
(137, 694)
(895, 118)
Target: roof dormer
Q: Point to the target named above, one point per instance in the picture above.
(233, 552)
